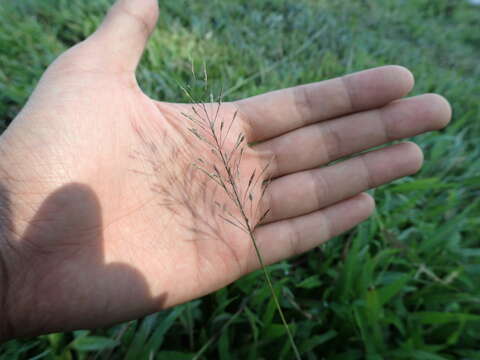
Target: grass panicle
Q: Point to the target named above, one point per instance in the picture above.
(225, 171)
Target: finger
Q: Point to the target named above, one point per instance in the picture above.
(307, 191)
(282, 239)
(278, 112)
(321, 143)
(124, 33)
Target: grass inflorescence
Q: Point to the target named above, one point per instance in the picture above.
(225, 171)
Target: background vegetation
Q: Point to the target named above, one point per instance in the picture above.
(404, 285)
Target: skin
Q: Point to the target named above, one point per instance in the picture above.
(91, 166)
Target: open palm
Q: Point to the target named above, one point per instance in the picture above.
(108, 217)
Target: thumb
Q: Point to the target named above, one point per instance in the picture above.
(125, 31)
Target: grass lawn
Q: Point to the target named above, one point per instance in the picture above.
(405, 284)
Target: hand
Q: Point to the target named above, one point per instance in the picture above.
(106, 219)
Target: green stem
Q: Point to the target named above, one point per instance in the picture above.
(275, 299)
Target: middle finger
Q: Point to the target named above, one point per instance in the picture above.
(318, 144)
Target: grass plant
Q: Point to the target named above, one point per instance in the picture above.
(225, 171)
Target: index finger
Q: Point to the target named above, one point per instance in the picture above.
(277, 112)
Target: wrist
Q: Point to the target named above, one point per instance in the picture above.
(9, 268)
(13, 200)
(6, 326)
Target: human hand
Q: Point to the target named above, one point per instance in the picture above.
(104, 218)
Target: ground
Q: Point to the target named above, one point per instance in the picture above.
(403, 285)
